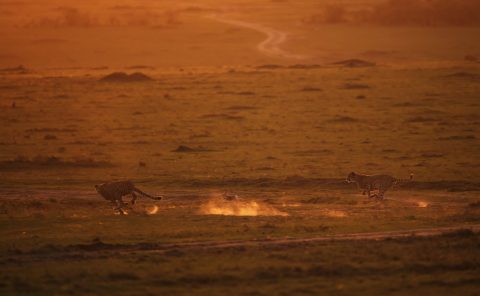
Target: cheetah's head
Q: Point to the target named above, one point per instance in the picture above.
(351, 177)
(97, 187)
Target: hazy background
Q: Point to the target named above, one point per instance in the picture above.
(46, 33)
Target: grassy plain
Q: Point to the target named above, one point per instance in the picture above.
(242, 123)
(284, 138)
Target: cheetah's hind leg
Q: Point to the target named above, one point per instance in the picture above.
(370, 195)
(134, 198)
(381, 194)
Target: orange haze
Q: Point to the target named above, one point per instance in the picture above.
(105, 33)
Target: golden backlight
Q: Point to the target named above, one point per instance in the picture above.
(239, 147)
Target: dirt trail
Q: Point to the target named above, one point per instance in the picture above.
(269, 46)
(424, 232)
(100, 249)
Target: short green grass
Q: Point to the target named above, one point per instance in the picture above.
(40, 229)
(428, 266)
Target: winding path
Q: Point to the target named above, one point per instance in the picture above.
(269, 46)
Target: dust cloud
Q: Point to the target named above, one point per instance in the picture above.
(216, 205)
(151, 210)
(422, 204)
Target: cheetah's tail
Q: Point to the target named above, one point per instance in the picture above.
(410, 179)
(146, 194)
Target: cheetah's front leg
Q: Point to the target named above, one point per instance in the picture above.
(120, 207)
(381, 194)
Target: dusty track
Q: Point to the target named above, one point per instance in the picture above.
(427, 232)
(269, 46)
(99, 249)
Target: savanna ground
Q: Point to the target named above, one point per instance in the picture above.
(282, 134)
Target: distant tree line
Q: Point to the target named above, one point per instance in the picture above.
(403, 13)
